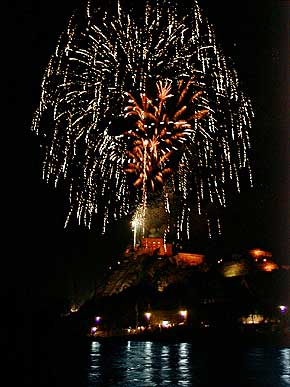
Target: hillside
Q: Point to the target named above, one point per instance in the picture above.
(163, 285)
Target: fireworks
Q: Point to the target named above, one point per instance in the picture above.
(138, 106)
(157, 136)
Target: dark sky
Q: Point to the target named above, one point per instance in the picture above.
(48, 261)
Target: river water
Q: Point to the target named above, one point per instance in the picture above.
(86, 363)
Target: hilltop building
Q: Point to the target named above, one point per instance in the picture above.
(263, 260)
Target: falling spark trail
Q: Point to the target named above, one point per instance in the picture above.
(132, 107)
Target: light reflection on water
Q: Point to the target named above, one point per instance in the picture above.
(285, 362)
(149, 364)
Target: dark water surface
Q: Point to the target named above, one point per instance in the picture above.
(69, 362)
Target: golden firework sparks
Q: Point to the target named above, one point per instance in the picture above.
(185, 122)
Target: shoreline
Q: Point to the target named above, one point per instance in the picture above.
(201, 337)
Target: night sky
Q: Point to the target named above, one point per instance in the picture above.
(52, 264)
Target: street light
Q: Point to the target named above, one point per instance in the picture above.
(282, 308)
(183, 316)
(183, 313)
(147, 315)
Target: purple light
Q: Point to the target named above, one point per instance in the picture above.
(98, 319)
(283, 308)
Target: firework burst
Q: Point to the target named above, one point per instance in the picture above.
(158, 133)
(132, 106)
